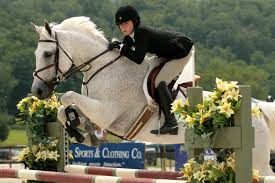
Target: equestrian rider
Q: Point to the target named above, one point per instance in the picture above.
(138, 41)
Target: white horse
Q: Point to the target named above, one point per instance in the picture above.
(115, 95)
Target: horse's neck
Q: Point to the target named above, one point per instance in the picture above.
(84, 48)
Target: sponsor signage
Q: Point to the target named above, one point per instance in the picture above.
(120, 155)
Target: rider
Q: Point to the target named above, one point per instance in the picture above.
(138, 41)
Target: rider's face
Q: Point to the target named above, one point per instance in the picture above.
(126, 27)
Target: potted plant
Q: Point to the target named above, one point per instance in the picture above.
(35, 114)
(43, 156)
(204, 121)
(213, 114)
(42, 151)
(211, 171)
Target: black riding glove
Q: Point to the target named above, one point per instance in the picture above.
(114, 44)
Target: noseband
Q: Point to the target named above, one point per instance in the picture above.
(57, 79)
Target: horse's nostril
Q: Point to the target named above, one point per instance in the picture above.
(39, 91)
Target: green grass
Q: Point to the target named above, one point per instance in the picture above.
(16, 137)
(19, 137)
(113, 139)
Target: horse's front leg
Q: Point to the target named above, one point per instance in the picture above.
(102, 113)
(89, 138)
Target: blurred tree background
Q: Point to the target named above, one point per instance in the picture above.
(235, 40)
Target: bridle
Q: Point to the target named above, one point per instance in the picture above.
(74, 69)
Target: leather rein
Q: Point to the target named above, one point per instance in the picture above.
(74, 69)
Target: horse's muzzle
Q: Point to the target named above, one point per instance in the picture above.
(41, 90)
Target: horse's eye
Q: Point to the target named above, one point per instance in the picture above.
(47, 54)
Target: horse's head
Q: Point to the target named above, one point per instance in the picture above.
(51, 63)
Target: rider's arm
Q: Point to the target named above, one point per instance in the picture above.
(137, 55)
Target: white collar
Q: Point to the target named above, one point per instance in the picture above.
(132, 34)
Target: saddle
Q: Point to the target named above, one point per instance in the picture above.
(151, 84)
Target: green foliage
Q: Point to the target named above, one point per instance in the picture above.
(235, 40)
(4, 127)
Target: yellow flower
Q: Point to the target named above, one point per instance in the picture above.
(187, 103)
(182, 115)
(34, 148)
(31, 110)
(54, 98)
(176, 105)
(230, 161)
(213, 96)
(221, 166)
(23, 154)
(21, 157)
(54, 143)
(233, 93)
(218, 81)
(45, 154)
(55, 155)
(221, 85)
(38, 155)
(34, 98)
(52, 155)
(255, 174)
(201, 175)
(34, 107)
(256, 111)
(191, 121)
(200, 107)
(203, 116)
(188, 169)
(70, 154)
(226, 109)
(232, 84)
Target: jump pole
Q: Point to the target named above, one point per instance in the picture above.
(72, 178)
(121, 172)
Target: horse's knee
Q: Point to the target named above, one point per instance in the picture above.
(67, 98)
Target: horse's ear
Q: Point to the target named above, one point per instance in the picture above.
(47, 27)
(38, 29)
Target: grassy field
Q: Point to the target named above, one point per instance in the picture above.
(16, 137)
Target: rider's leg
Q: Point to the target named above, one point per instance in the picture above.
(170, 126)
(172, 69)
(169, 71)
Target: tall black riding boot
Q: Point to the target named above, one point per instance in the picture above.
(165, 100)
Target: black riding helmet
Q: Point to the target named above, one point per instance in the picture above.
(126, 13)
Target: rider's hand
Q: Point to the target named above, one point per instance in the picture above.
(114, 44)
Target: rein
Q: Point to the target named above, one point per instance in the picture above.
(56, 80)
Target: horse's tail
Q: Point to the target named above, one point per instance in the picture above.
(268, 110)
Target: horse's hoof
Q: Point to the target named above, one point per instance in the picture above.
(74, 133)
(72, 116)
